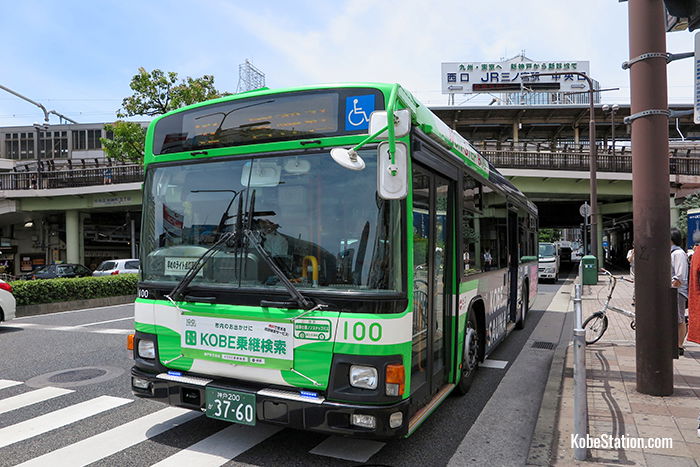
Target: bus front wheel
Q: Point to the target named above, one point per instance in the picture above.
(470, 354)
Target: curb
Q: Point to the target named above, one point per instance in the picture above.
(46, 308)
(542, 446)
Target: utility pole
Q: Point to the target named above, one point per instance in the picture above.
(650, 195)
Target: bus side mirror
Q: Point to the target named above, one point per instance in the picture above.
(402, 123)
(392, 178)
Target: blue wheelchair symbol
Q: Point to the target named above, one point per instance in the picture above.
(357, 112)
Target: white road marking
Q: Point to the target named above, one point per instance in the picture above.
(498, 364)
(104, 322)
(31, 397)
(8, 383)
(58, 418)
(79, 328)
(76, 311)
(356, 450)
(117, 439)
(221, 447)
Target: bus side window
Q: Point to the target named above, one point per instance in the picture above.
(471, 242)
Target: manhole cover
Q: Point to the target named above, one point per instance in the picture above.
(72, 376)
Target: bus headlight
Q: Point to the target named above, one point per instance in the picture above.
(364, 377)
(147, 349)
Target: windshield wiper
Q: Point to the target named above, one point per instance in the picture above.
(192, 272)
(252, 237)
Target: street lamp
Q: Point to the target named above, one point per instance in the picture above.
(593, 162)
(39, 127)
(612, 109)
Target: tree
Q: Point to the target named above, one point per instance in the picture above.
(549, 235)
(127, 141)
(155, 93)
(690, 202)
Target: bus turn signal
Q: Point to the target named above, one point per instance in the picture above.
(395, 379)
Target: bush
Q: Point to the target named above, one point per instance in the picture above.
(79, 288)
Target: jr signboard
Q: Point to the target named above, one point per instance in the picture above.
(512, 75)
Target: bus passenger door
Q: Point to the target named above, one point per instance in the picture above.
(432, 223)
(513, 264)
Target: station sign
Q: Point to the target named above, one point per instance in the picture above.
(513, 75)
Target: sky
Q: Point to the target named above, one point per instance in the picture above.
(78, 57)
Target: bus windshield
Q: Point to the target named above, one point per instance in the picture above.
(324, 226)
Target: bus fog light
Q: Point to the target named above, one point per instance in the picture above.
(395, 419)
(140, 383)
(365, 421)
(392, 389)
(364, 377)
(147, 349)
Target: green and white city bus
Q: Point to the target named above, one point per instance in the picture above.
(306, 264)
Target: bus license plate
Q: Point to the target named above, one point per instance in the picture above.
(232, 406)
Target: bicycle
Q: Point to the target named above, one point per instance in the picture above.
(596, 324)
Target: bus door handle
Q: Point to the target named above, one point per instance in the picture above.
(505, 278)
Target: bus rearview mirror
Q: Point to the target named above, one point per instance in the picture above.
(392, 178)
(402, 123)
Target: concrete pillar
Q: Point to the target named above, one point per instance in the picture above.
(576, 135)
(516, 130)
(73, 234)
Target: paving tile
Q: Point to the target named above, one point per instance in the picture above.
(654, 420)
(659, 460)
(682, 411)
(647, 431)
(644, 408)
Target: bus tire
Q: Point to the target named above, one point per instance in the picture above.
(470, 354)
(524, 305)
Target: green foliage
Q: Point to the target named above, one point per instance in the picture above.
(690, 202)
(155, 93)
(82, 288)
(127, 143)
(549, 235)
(158, 92)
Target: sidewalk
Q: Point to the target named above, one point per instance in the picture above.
(615, 408)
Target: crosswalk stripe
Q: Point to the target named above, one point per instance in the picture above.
(221, 447)
(31, 397)
(117, 439)
(8, 383)
(357, 450)
(56, 419)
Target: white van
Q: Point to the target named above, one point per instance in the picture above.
(548, 262)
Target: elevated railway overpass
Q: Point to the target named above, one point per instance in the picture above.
(88, 210)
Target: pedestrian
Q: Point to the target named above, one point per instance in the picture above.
(694, 303)
(679, 281)
(488, 259)
(107, 178)
(630, 259)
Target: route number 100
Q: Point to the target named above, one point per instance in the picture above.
(359, 331)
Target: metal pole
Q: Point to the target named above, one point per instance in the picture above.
(580, 390)
(612, 122)
(133, 238)
(650, 195)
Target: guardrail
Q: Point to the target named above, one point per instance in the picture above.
(679, 165)
(72, 178)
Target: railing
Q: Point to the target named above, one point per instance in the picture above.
(607, 162)
(77, 177)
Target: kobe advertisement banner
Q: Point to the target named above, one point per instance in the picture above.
(267, 344)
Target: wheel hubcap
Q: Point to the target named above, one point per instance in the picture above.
(471, 346)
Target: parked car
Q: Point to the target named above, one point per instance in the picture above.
(52, 271)
(548, 262)
(117, 266)
(7, 302)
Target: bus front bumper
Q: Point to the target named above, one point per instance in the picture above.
(284, 407)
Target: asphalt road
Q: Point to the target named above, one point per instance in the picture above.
(90, 415)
